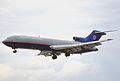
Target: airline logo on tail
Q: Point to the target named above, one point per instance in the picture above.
(94, 37)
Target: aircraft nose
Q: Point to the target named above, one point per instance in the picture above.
(4, 41)
(7, 43)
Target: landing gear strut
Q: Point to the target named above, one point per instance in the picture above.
(54, 57)
(15, 51)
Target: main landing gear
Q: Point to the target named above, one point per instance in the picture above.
(15, 51)
(54, 56)
(67, 54)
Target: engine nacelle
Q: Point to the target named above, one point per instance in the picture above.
(78, 39)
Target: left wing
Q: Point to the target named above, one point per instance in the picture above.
(71, 46)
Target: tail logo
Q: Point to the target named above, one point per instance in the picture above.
(94, 37)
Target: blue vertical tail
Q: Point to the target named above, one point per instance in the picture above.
(94, 36)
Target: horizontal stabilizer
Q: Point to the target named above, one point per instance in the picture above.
(106, 31)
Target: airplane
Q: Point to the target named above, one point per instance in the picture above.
(54, 47)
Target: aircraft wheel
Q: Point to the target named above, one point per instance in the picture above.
(15, 51)
(54, 57)
(67, 54)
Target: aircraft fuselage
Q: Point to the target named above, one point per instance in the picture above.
(37, 43)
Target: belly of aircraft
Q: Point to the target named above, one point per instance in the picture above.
(27, 45)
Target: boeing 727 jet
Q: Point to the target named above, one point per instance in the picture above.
(54, 47)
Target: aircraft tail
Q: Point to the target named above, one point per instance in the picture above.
(94, 36)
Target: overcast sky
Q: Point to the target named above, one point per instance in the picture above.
(60, 19)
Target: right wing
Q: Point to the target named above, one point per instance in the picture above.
(73, 46)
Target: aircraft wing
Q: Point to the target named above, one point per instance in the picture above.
(71, 46)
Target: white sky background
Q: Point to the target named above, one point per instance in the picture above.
(61, 19)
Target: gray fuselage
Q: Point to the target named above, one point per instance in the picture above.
(38, 43)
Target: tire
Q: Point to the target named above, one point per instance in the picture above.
(54, 57)
(67, 54)
(15, 51)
